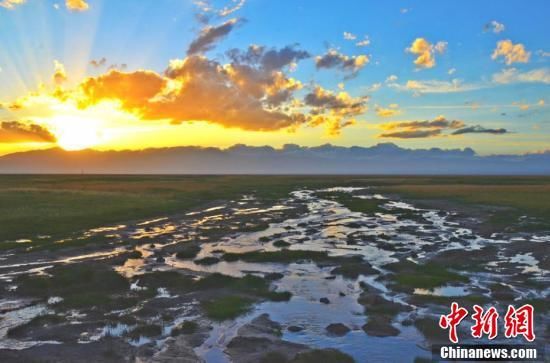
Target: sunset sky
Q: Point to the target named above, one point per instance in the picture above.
(127, 74)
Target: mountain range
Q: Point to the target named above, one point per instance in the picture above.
(385, 158)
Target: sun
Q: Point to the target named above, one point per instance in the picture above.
(76, 133)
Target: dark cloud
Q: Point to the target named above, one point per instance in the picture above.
(261, 72)
(212, 34)
(439, 122)
(268, 59)
(277, 59)
(333, 59)
(99, 62)
(342, 103)
(436, 127)
(412, 134)
(480, 130)
(18, 132)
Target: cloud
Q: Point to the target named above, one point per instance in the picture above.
(193, 89)
(349, 36)
(435, 86)
(512, 75)
(10, 4)
(364, 42)
(121, 66)
(494, 26)
(341, 103)
(59, 75)
(19, 132)
(335, 110)
(360, 43)
(512, 53)
(260, 72)
(252, 92)
(99, 62)
(207, 7)
(373, 87)
(390, 111)
(268, 59)
(451, 71)
(210, 35)
(231, 9)
(439, 122)
(479, 130)
(134, 90)
(76, 5)
(440, 47)
(425, 52)
(391, 78)
(333, 59)
(73, 5)
(432, 128)
(412, 134)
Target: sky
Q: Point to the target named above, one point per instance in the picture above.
(126, 74)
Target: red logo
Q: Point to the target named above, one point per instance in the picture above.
(516, 322)
(519, 322)
(485, 323)
(452, 320)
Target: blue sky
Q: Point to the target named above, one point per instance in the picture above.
(462, 84)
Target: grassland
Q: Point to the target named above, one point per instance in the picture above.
(60, 205)
(508, 198)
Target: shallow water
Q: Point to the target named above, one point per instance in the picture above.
(400, 230)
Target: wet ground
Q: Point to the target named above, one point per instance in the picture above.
(369, 284)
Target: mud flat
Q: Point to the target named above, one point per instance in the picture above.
(346, 272)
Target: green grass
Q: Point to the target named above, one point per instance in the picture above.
(60, 205)
(38, 321)
(281, 244)
(207, 261)
(367, 206)
(188, 252)
(151, 330)
(513, 196)
(82, 285)
(227, 307)
(428, 276)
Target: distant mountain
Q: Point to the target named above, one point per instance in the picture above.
(384, 158)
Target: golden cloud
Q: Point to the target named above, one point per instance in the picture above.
(199, 89)
(512, 53)
(425, 52)
(59, 75)
(76, 5)
(10, 4)
(20, 132)
(390, 111)
(335, 110)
